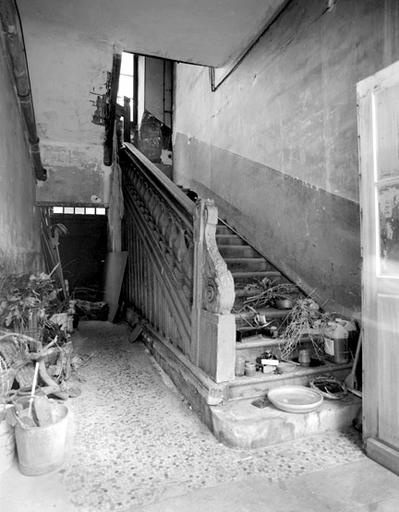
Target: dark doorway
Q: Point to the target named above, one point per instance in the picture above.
(83, 251)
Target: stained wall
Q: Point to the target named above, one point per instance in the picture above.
(276, 144)
(67, 69)
(19, 218)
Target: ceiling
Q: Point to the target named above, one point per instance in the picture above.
(207, 32)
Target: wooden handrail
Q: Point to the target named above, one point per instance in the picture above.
(176, 279)
(163, 181)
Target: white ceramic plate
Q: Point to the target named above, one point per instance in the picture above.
(299, 399)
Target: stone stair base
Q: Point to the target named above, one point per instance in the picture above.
(240, 424)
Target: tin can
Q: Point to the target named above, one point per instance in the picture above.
(240, 366)
(250, 369)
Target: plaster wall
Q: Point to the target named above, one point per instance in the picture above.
(19, 218)
(276, 143)
(65, 69)
(201, 32)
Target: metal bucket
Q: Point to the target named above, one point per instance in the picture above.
(42, 449)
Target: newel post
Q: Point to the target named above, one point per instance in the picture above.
(213, 325)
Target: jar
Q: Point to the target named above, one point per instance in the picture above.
(250, 369)
(240, 366)
(304, 357)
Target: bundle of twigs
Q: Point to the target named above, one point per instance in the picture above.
(266, 297)
(302, 320)
(268, 292)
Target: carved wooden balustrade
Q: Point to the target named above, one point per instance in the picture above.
(176, 279)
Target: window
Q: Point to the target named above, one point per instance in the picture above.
(78, 210)
(126, 81)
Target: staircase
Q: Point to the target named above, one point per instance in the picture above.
(238, 422)
(234, 408)
(248, 266)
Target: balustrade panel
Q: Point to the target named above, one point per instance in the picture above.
(159, 235)
(176, 279)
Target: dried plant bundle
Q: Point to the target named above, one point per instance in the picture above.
(304, 319)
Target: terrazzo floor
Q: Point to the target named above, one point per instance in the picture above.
(134, 441)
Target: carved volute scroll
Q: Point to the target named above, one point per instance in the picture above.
(218, 286)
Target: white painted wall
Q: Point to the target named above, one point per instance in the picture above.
(199, 31)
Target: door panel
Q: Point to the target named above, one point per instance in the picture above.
(378, 124)
(388, 230)
(387, 130)
(388, 365)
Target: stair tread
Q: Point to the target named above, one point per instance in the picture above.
(255, 273)
(237, 251)
(232, 246)
(268, 312)
(257, 341)
(244, 259)
(238, 247)
(301, 370)
(243, 292)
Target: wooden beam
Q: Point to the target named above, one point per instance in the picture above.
(126, 119)
(110, 121)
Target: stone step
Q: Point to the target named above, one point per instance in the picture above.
(247, 264)
(243, 292)
(222, 229)
(229, 239)
(244, 332)
(258, 385)
(237, 251)
(270, 314)
(253, 346)
(242, 425)
(241, 278)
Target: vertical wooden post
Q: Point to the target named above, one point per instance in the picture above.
(199, 230)
(110, 121)
(126, 119)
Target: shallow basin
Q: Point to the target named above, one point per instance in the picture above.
(298, 399)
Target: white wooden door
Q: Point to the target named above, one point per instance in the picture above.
(378, 124)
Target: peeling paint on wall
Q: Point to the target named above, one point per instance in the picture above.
(65, 69)
(75, 175)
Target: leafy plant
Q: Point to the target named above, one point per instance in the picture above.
(27, 298)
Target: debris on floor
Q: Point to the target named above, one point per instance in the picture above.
(89, 310)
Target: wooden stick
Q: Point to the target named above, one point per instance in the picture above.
(32, 393)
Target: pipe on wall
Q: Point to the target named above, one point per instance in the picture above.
(11, 26)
